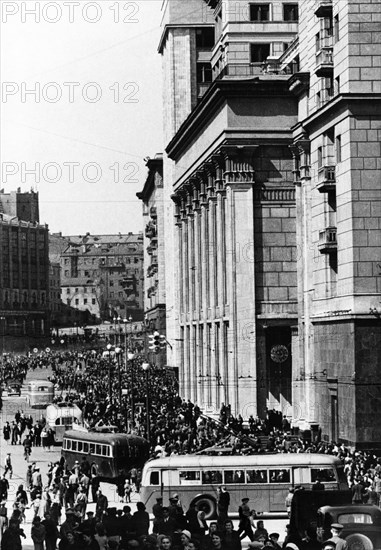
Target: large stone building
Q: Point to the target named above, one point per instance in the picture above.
(24, 270)
(336, 145)
(270, 273)
(103, 274)
(154, 251)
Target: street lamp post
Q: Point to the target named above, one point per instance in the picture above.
(131, 357)
(109, 348)
(146, 368)
(118, 352)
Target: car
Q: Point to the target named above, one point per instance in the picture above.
(361, 522)
(320, 509)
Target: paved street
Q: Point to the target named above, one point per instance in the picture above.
(10, 406)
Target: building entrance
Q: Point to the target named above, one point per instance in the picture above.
(279, 369)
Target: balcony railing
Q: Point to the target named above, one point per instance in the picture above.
(328, 240)
(324, 62)
(323, 8)
(326, 178)
(256, 69)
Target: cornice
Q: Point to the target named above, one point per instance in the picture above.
(218, 93)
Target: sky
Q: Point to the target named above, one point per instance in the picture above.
(81, 107)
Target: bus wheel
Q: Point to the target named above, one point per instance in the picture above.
(208, 505)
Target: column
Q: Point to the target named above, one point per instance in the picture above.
(212, 253)
(220, 237)
(204, 238)
(239, 178)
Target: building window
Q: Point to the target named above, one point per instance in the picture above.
(93, 290)
(259, 12)
(336, 28)
(68, 291)
(111, 295)
(85, 301)
(85, 290)
(204, 72)
(93, 301)
(67, 273)
(86, 274)
(259, 52)
(76, 302)
(338, 148)
(290, 12)
(320, 157)
(76, 289)
(111, 283)
(205, 38)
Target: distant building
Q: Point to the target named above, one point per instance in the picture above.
(154, 254)
(103, 274)
(24, 270)
(24, 206)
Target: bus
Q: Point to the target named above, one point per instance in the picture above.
(40, 393)
(60, 417)
(264, 478)
(111, 455)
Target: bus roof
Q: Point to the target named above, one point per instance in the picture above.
(110, 438)
(239, 461)
(61, 406)
(40, 382)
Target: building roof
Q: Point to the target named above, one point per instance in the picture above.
(6, 219)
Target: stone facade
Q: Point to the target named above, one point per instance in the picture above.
(275, 290)
(337, 146)
(154, 253)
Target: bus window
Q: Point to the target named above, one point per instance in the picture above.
(154, 478)
(85, 447)
(79, 449)
(67, 420)
(189, 478)
(322, 474)
(92, 448)
(234, 476)
(104, 450)
(68, 444)
(211, 477)
(280, 476)
(73, 445)
(256, 476)
(98, 450)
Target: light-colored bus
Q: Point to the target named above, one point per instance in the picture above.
(264, 478)
(40, 393)
(60, 417)
(111, 455)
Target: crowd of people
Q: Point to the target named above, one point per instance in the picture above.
(90, 379)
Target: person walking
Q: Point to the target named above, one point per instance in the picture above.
(8, 466)
(244, 526)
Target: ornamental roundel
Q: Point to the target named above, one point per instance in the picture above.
(279, 354)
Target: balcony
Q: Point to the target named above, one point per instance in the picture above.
(323, 8)
(328, 240)
(324, 61)
(326, 179)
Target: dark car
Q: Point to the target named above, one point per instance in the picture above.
(361, 522)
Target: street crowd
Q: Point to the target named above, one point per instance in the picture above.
(173, 426)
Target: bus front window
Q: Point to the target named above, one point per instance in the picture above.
(154, 478)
